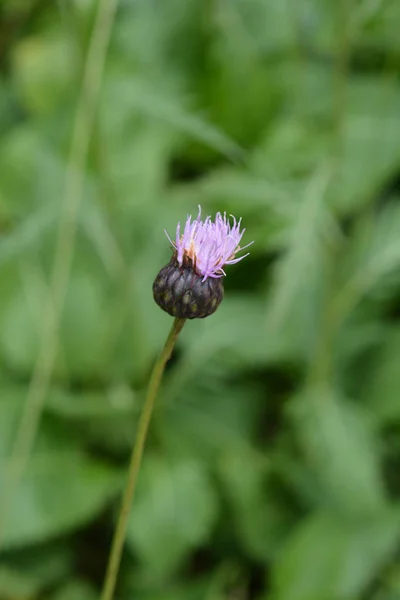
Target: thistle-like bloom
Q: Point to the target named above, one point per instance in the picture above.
(190, 285)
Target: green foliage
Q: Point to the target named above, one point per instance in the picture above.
(341, 450)
(25, 572)
(62, 486)
(328, 557)
(175, 512)
(272, 465)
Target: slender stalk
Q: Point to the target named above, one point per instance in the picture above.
(135, 462)
(63, 255)
(343, 49)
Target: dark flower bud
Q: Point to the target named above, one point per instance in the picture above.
(182, 293)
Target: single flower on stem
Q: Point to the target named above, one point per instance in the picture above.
(190, 286)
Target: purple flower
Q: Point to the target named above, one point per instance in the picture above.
(190, 286)
(209, 245)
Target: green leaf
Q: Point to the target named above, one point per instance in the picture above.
(174, 512)
(89, 405)
(237, 334)
(373, 261)
(205, 414)
(234, 63)
(262, 521)
(59, 493)
(340, 448)
(27, 235)
(25, 154)
(75, 590)
(379, 21)
(390, 588)
(329, 558)
(372, 120)
(382, 386)
(205, 588)
(25, 572)
(242, 190)
(106, 419)
(61, 489)
(293, 148)
(300, 266)
(20, 331)
(84, 326)
(168, 110)
(44, 70)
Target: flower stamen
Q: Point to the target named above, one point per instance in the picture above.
(209, 244)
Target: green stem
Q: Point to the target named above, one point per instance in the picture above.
(135, 462)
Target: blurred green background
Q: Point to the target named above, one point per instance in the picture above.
(272, 471)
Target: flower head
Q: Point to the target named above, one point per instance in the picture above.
(209, 245)
(190, 286)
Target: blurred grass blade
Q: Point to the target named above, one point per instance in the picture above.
(301, 260)
(157, 104)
